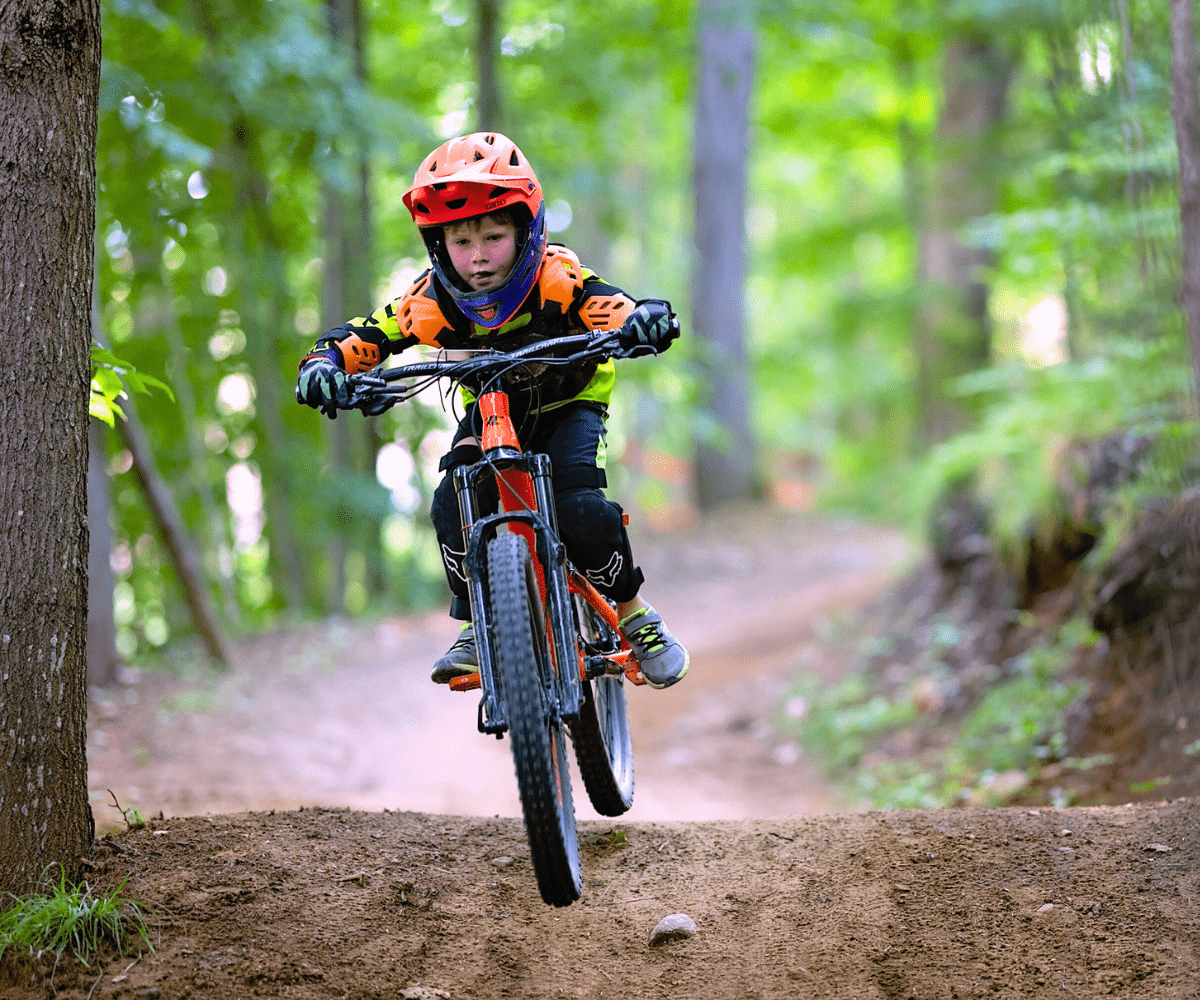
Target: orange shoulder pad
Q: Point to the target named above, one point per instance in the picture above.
(561, 278)
(418, 313)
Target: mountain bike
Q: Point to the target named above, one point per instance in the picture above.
(552, 661)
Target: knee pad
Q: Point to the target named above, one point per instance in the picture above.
(592, 528)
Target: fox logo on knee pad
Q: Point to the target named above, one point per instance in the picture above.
(607, 575)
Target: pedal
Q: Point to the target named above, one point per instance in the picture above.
(467, 682)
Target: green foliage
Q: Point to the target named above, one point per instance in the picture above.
(843, 720)
(1014, 726)
(110, 375)
(225, 128)
(65, 917)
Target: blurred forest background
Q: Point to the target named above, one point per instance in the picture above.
(962, 258)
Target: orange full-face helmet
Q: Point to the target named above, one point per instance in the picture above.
(472, 175)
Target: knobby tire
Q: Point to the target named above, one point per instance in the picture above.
(538, 742)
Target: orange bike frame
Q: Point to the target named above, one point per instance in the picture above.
(519, 494)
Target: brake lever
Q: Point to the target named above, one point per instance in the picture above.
(365, 379)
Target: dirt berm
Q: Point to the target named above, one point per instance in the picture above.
(1077, 902)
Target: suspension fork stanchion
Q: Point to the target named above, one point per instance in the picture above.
(492, 717)
(558, 598)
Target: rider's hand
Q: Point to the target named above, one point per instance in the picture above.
(651, 324)
(322, 385)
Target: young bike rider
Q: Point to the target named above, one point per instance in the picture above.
(495, 282)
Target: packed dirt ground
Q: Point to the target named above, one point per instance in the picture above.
(951, 904)
(350, 834)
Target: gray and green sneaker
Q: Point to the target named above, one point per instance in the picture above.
(459, 660)
(662, 659)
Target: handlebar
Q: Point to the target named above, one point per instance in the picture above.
(369, 387)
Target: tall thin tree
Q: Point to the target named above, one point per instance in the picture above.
(49, 92)
(488, 106)
(725, 466)
(102, 656)
(954, 335)
(347, 290)
(1185, 108)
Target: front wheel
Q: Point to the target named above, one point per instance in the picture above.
(538, 742)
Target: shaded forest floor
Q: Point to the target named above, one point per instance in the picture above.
(344, 856)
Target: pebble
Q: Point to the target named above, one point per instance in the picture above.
(1045, 908)
(675, 927)
(502, 862)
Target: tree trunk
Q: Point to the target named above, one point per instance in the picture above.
(215, 533)
(487, 46)
(49, 92)
(250, 227)
(1185, 109)
(954, 335)
(347, 290)
(184, 556)
(724, 466)
(102, 656)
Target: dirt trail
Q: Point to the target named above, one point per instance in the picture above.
(998, 903)
(345, 715)
(395, 898)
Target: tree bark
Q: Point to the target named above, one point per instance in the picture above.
(184, 556)
(1185, 109)
(487, 46)
(725, 466)
(49, 92)
(954, 334)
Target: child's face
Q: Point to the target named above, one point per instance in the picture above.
(482, 250)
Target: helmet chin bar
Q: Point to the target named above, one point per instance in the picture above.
(515, 288)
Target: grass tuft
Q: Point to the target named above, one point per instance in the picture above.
(72, 918)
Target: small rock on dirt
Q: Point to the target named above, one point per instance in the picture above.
(1157, 848)
(675, 927)
(502, 862)
(422, 993)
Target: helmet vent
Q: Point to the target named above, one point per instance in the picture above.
(490, 140)
(478, 155)
(433, 167)
(496, 192)
(513, 161)
(441, 186)
(422, 207)
(455, 204)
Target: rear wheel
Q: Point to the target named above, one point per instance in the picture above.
(538, 741)
(603, 747)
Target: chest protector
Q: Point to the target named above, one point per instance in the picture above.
(426, 314)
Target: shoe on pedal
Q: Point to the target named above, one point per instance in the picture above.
(662, 659)
(459, 660)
